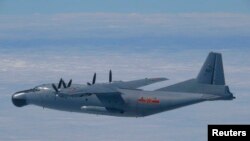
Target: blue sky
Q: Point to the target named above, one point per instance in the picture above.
(128, 6)
(44, 40)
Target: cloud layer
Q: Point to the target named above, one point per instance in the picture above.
(123, 29)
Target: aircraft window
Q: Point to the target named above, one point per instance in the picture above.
(44, 88)
(41, 88)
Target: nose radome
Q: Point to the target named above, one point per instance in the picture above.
(19, 99)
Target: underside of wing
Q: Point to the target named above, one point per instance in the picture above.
(113, 102)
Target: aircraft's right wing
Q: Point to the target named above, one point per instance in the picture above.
(113, 102)
(110, 98)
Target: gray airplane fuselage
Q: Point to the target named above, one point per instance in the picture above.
(133, 108)
(137, 103)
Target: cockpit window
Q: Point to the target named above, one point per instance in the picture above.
(35, 89)
(41, 88)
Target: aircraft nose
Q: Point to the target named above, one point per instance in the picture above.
(19, 99)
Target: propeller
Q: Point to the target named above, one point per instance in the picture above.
(94, 78)
(60, 83)
(55, 88)
(93, 81)
(69, 84)
(64, 84)
(110, 76)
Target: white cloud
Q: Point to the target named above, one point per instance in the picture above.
(104, 25)
(177, 66)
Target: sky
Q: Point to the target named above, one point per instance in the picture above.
(42, 41)
(128, 6)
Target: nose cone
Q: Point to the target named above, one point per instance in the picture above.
(19, 99)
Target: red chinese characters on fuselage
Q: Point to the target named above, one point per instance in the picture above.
(148, 100)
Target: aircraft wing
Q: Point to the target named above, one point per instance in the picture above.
(102, 89)
(79, 92)
(137, 83)
(111, 100)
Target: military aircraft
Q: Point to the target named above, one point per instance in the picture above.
(124, 99)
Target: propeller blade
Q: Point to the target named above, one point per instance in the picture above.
(88, 83)
(110, 76)
(64, 84)
(69, 84)
(55, 88)
(60, 84)
(94, 78)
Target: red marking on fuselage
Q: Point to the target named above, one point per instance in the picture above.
(148, 100)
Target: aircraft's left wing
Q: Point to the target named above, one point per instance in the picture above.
(104, 89)
(79, 92)
(137, 83)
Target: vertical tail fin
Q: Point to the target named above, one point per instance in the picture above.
(210, 80)
(212, 70)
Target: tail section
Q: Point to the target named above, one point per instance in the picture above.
(210, 80)
(212, 70)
